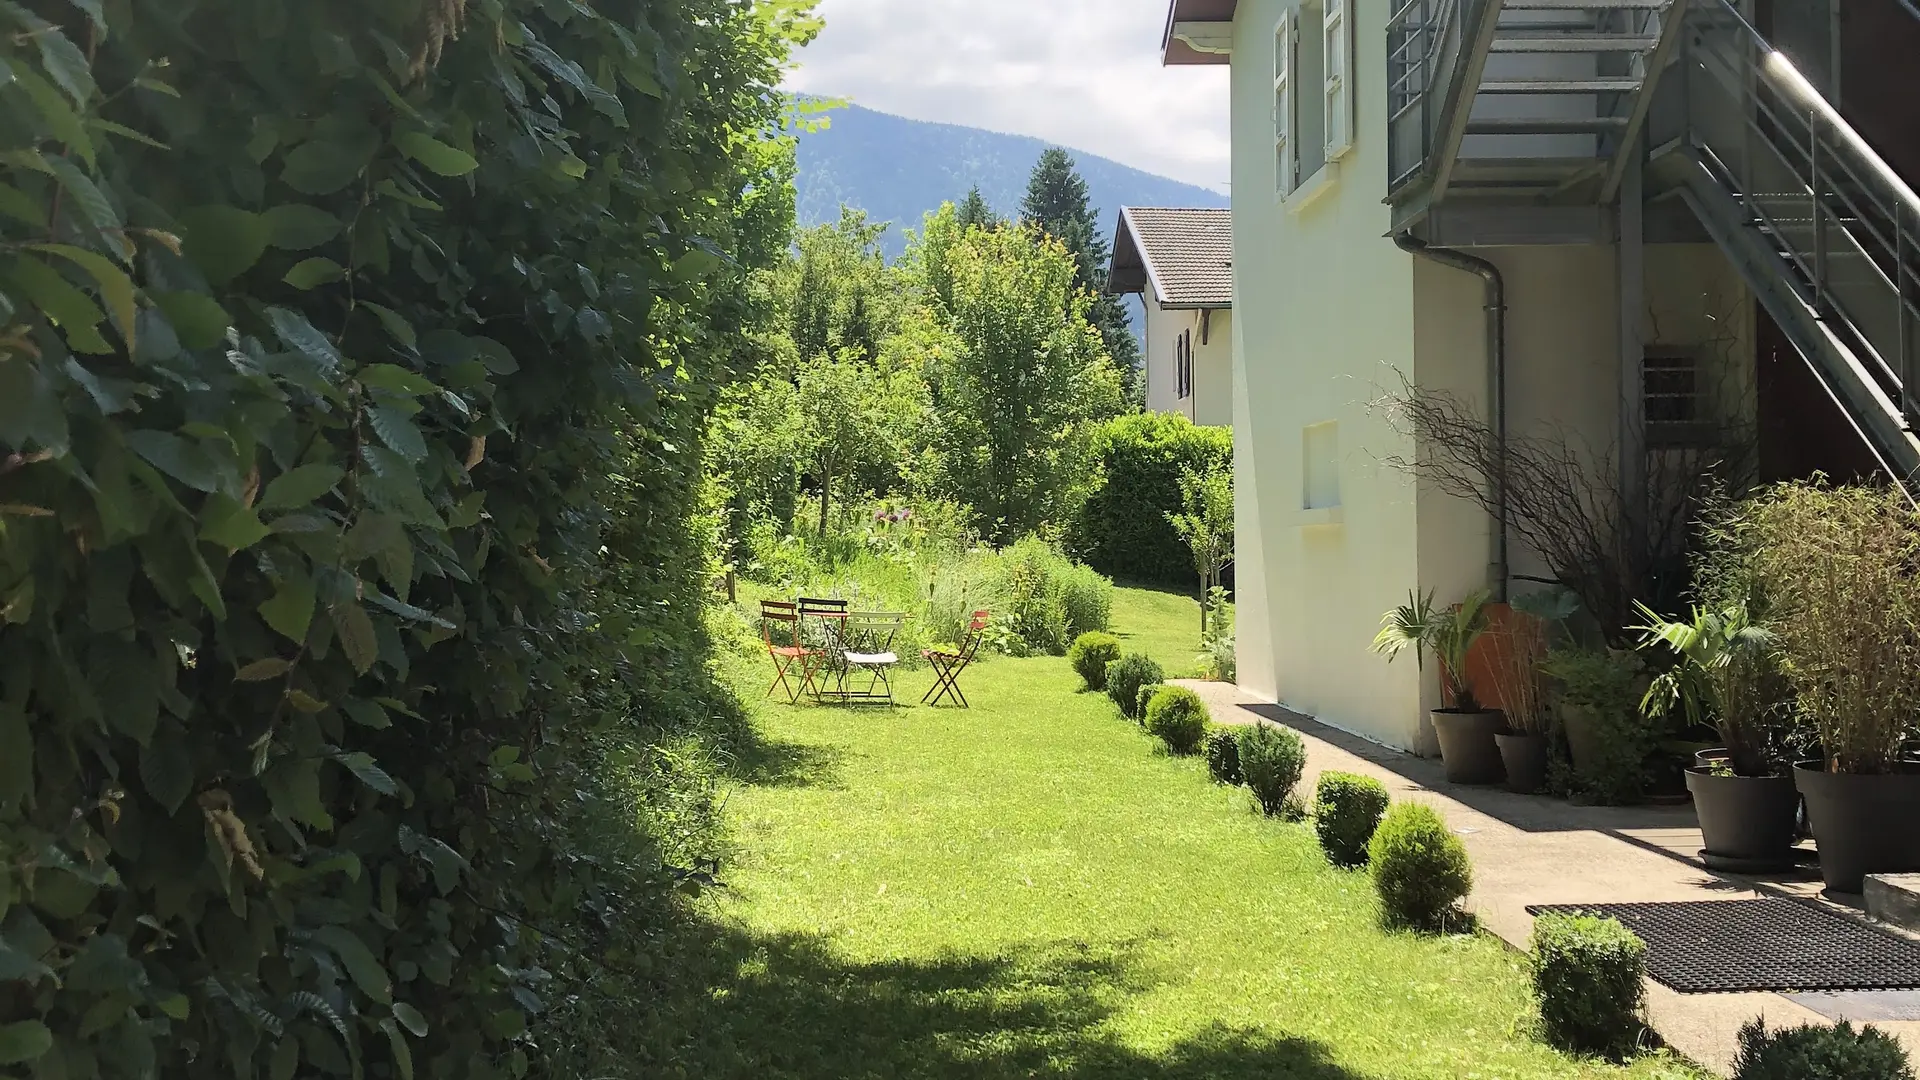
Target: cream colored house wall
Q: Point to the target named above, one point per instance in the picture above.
(1324, 315)
(1162, 329)
(1331, 317)
(1212, 401)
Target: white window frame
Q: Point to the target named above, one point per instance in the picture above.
(1285, 161)
(1338, 117)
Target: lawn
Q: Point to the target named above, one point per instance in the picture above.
(1162, 623)
(1029, 889)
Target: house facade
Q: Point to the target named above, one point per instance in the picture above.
(1614, 227)
(1180, 262)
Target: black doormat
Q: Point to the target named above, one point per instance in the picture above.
(1716, 946)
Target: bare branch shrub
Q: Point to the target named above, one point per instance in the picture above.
(1520, 648)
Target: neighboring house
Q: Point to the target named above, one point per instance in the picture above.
(1181, 260)
(1617, 223)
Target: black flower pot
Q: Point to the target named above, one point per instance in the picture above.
(1748, 823)
(1525, 760)
(1467, 745)
(1862, 824)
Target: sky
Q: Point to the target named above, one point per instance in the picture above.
(1084, 74)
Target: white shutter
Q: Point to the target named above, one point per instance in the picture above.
(1283, 155)
(1338, 92)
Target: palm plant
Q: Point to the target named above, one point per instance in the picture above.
(1450, 632)
(1726, 678)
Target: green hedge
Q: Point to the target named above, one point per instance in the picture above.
(1122, 529)
(354, 359)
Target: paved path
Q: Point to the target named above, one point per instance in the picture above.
(1531, 850)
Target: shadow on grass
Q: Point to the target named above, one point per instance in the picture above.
(789, 1007)
(767, 762)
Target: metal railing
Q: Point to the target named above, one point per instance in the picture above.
(1423, 52)
(1843, 221)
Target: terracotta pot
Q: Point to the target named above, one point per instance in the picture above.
(1525, 759)
(1862, 824)
(1467, 745)
(1747, 823)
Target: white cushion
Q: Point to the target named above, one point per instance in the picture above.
(872, 659)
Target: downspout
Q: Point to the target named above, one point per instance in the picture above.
(1496, 306)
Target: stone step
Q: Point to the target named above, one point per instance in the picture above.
(1895, 898)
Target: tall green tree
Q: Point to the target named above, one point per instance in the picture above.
(1057, 202)
(1021, 379)
(836, 292)
(974, 211)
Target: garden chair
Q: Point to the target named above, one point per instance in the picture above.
(822, 623)
(947, 666)
(867, 646)
(781, 632)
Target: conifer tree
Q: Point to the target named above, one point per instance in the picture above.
(975, 211)
(1057, 201)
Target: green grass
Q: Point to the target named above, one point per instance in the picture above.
(1162, 623)
(1029, 889)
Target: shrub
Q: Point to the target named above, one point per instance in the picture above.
(1346, 811)
(1032, 600)
(1086, 595)
(1271, 761)
(1599, 693)
(1818, 1052)
(1122, 529)
(1127, 676)
(1090, 655)
(1177, 717)
(1420, 869)
(1223, 756)
(1587, 980)
(1143, 699)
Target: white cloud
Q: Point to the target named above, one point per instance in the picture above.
(1082, 73)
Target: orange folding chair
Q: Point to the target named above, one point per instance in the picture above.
(947, 666)
(780, 630)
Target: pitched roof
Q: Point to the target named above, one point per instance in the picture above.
(1178, 49)
(1184, 255)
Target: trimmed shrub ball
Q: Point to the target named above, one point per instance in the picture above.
(1126, 676)
(1818, 1052)
(1223, 756)
(1420, 869)
(1177, 717)
(1346, 811)
(1271, 761)
(1587, 974)
(1090, 654)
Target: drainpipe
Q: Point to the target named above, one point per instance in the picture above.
(1496, 305)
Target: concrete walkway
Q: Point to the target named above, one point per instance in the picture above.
(1531, 850)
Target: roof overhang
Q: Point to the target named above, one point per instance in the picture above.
(1127, 272)
(1198, 32)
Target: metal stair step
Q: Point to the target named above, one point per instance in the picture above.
(1575, 43)
(1583, 5)
(1546, 125)
(1621, 85)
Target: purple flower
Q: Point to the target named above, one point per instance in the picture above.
(905, 513)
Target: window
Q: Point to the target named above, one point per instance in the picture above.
(1303, 137)
(1320, 466)
(1283, 163)
(1183, 365)
(1337, 99)
(1672, 396)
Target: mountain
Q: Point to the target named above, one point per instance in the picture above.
(897, 169)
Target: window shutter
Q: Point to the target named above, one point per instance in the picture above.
(1283, 155)
(1338, 92)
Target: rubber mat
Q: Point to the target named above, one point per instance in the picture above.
(1718, 946)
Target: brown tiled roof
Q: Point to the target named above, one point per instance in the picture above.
(1184, 255)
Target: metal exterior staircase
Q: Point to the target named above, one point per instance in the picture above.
(1541, 100)
(1825, 232)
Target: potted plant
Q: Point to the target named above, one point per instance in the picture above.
(1521, 646)
(1725, 674)
(1839, 569)
(1466, 731)
(1597, 697)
